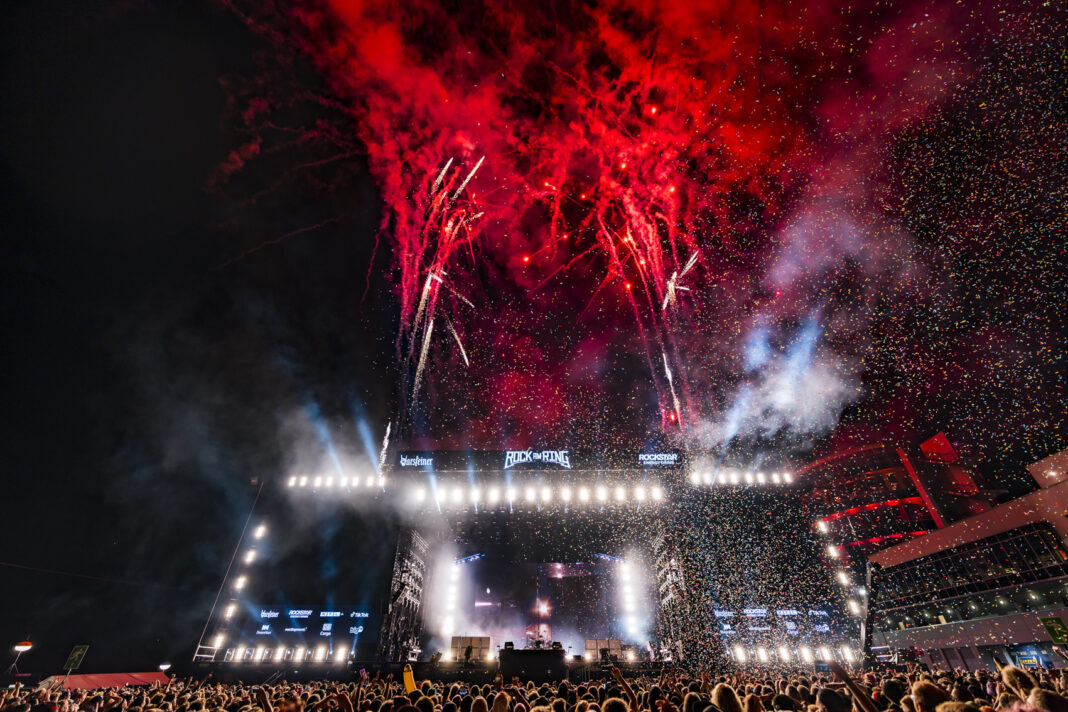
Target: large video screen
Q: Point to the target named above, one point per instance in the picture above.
(566, 602)
(797, 625)
(757, 557)
(318, 580)
(332, 630)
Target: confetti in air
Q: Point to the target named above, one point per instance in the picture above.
(710, 221)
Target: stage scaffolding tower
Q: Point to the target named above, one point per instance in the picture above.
(402, 624)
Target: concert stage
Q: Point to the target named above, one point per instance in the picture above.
(530, 548)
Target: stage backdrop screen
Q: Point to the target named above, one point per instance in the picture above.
(320, 576)
(309, 626)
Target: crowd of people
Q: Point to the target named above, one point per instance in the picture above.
(1012, 689)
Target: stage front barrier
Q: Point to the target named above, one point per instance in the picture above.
(537, 665)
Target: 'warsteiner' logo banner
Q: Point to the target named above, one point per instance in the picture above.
(543, 457)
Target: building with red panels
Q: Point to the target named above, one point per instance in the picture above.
(866, 498)
(992, 586)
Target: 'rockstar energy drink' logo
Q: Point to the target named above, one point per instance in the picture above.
(544, 457)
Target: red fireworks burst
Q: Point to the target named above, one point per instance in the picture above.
(649, 147)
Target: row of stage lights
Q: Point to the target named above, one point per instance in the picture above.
(238, 584)
(734, 477)
(783, 654)
(588, 656)
(762, 655)
(740, 654)
(834, 553)
(319, 482)
(536, 495)
(626, 589)
(282, 654)
(491, 657)
(242, 579)
(448, 623)
(724, 477)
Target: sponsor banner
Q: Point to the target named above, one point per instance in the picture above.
(540, 457)
(294, 626)
(659, 459)
(547, 457)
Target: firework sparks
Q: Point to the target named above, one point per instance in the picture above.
(422, 360)
(456, 337)
(673, 283)
(444, 225)
(384, 451)
(671, 386)
(596, 159)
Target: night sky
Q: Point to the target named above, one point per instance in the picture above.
(218, 225)
(141, 378)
